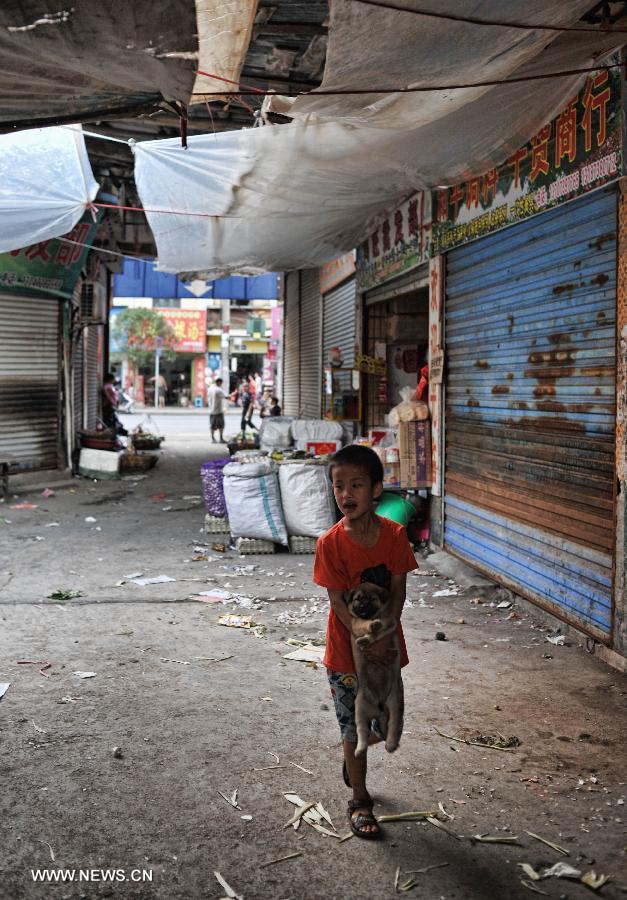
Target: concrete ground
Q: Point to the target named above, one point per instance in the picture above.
(197, 708)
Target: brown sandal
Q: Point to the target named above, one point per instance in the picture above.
(361, 821)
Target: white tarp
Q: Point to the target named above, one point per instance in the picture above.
(45, 183)
(293, 196)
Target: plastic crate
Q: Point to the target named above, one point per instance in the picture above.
(216, 525)
(253, 546)
(302, 544)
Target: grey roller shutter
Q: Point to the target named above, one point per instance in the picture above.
(291, 346)
(530, 408)
(29, 381)
(310, 345)
(338, 323)
(92, 375)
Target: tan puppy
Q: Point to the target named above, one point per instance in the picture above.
(380, 687)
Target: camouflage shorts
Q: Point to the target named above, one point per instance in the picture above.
(344, 690)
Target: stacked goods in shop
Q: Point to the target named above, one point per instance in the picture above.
(415, 454)
(307, 498)
(253, 501)
(311, 431)
(275, 433)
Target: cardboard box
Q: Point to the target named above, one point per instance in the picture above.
(415, 454)
(323, 448)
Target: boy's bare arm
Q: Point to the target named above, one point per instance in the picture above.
(339, 607)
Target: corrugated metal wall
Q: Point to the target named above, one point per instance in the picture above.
(291, 345)
(29, 381)
(310, 345)
(530, 408)
(338, 326)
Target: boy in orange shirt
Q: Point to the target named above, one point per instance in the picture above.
(361, 547)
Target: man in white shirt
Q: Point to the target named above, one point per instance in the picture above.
(215, 402)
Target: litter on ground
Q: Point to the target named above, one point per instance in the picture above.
(314, 816)
(227, 887)
(308, 653)
(158, 579)
(231, 620)
(65, 594)
(84, 674)
(4, 687)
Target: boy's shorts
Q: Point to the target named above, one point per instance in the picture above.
(344, 690)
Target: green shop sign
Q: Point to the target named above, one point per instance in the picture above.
(578, 151)
(52, 266)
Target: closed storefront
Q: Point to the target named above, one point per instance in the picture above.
(530, 408)
(291, 346)
(310, 345)
(302, 352)
(30, 381)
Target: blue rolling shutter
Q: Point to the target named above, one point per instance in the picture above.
(530, 408)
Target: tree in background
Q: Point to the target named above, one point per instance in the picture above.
(136, 332)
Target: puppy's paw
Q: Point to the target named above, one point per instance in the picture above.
(376, 625)
(391, 746)
(363, 642)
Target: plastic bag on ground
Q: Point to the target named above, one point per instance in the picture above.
(307, 498)
(409, 410)
(304, 430)
(253, 501)
(275, 433)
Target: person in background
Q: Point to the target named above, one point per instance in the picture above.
(258, 386)
(264, 404)
(215, 402)
(109, 402)
(275, 409)
(248, 408)
(163, 388)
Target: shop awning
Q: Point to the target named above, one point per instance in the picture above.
(295, 195)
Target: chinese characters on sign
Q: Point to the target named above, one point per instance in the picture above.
(52, 266)
(578, 151)
(401, 243)
(336, 271)
(190, 329)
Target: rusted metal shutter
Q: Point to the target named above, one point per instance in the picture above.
(291, 345)
(29, 381)
(310, 345)
(338, 324)
(530, 408)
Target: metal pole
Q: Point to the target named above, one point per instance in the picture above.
(157, 354)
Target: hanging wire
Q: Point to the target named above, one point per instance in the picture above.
(494, 23)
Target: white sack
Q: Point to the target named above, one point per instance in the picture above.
(275, 432)
(307, 499)
(253, 501)
(349, 159)
(304, 430)
(45, 183)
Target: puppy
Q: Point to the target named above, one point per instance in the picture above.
(380, 692)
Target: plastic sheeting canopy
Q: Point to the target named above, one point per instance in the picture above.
(296, 195)
(45, 183)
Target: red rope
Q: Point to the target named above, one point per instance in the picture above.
(230, 81)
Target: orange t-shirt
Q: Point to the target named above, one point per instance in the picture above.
(340, 564)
